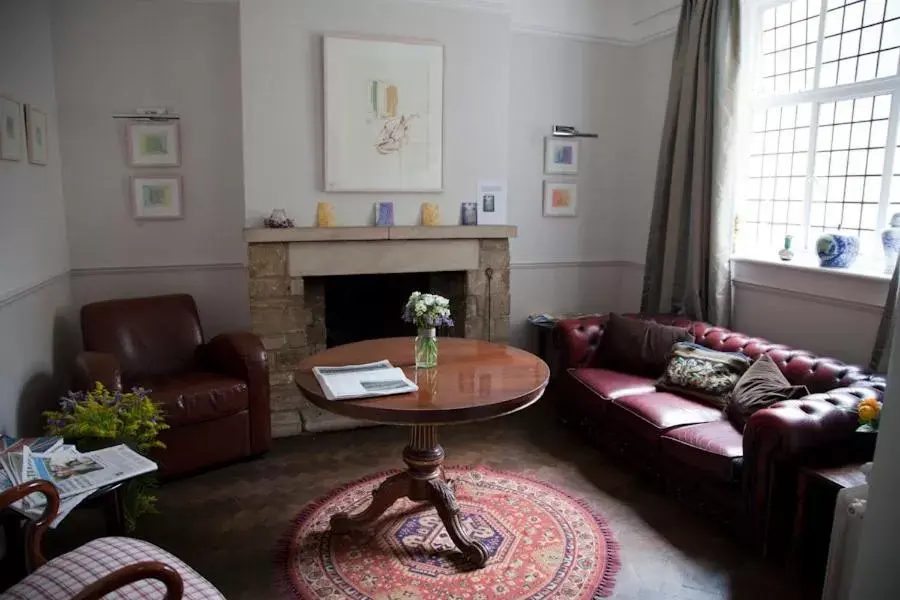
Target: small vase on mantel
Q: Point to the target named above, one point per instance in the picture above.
(890, 241)
(426, 348)
(786, 253)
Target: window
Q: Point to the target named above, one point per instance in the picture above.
(820, 146)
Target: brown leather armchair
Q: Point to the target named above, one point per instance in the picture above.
(215, 395)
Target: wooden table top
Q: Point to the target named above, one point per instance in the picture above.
(474, 380)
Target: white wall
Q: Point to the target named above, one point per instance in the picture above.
(281, 60)
(114, 56)
(34, 284)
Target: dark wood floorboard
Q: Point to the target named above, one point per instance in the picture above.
(226, 523)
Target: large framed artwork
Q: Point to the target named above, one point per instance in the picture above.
(383, 115)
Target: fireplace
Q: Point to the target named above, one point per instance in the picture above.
(313, 288)
(368, 307)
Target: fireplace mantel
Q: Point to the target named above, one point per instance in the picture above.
(261, 235)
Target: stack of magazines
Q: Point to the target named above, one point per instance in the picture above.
(75, 474)
(363, 381)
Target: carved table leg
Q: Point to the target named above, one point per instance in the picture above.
(441, 496)
(391, 489)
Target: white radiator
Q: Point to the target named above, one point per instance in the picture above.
(849, 512)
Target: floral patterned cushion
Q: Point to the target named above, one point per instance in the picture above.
(701, 373)
(63, 577)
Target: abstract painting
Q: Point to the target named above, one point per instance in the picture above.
(560, 199)
(154, 144)
(560, 156)
(11, 130)
(383, 115)
(156, 197)
(36, 127)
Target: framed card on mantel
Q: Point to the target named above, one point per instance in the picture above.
(383, 115)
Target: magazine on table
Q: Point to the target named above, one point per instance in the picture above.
(363, 381)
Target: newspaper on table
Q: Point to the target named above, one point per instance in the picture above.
(363, 381)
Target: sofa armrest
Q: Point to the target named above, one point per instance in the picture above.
(576, 340)
(119, 578)
(91, 367)
(789, 432)
(37, 527)
(243, 356)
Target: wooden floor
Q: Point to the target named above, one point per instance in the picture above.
(226, 523)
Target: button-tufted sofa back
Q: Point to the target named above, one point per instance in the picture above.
(800, 367)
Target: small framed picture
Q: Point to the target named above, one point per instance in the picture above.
(157, 197)
(384, 214)
(488, 202)
(11, 129)
(469, 213)
(36, 134)
(560, 156)
(560, 199)
(154, 144)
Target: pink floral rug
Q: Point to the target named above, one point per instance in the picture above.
(543, 544)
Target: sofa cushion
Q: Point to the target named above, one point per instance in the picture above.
(704, 374)
(761, 386)
(614, 384)
(715, 448)
(197, 397)
(649, 415)
(639, 347)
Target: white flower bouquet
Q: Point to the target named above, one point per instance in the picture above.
(426, 312)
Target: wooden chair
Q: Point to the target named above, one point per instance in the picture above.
(120, 567)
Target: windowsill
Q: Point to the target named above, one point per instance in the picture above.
(810, 263)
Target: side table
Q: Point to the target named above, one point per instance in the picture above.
(817, 490)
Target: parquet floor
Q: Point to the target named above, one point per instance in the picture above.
(226, 522)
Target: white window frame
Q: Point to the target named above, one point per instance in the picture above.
(753, 13)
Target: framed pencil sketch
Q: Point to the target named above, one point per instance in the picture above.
(560, 156)
(383, 115)
(36, 135)
(157, 197)
(560, 199)
(154, 144)
(11, 129)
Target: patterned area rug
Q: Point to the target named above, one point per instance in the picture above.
(542, 543)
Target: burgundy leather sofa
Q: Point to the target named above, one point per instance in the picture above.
(745, 480)
(215, 395)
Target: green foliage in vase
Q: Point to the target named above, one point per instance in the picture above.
(101, 418)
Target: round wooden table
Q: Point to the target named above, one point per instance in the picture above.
(473, 381)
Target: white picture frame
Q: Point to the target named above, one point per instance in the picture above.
(560, 156)
(383, 102)
(12, 129)
(154, 144)
(560, 199)
(36, 133)
(157, 197)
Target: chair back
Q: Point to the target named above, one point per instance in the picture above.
(151, 336)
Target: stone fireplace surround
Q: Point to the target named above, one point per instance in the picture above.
(287, 295)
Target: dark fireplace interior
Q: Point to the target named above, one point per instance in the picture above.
(366, 307)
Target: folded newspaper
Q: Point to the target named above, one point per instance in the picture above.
(363, 381)
(76, 475)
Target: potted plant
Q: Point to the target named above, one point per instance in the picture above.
(100, 418)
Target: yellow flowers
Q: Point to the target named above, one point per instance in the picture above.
(869, 411)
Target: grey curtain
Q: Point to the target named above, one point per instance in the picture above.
(881, 353)
(687, 268)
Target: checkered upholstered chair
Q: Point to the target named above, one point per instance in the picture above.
(109, 568)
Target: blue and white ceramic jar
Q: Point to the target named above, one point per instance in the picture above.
(836, 250)
(890, 240)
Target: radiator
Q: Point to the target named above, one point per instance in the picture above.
(849, 512)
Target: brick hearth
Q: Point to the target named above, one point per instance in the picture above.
(287, 292)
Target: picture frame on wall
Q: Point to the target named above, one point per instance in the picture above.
(560, 199)
(157, 197)
(36, 135)
(560, 156)
(154, 144)
(12, 129)
(383, 102)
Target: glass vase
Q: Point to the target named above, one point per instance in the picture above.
(426, 348)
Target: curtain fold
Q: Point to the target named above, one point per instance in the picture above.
(688, 267)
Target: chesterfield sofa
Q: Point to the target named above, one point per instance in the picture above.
(215, 394)
(744, 480)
